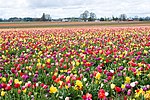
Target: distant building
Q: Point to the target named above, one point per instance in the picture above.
(97, 20)
(15, 19)
(130, 19)
(72, 19)
(65, 20)
(57, 20)
(46, 17)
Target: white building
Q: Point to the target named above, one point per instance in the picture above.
(47, 17)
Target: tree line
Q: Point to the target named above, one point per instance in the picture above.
(85, 16)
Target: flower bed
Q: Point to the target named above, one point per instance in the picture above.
(73, 64)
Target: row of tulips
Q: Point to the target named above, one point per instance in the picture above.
(75, 64)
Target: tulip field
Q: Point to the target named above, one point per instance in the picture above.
(101, 63)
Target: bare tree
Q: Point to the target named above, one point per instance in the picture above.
(84, 15)
(92, 16)
(123, 17)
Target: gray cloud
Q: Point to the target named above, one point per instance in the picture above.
(70, 8)
(54, 3)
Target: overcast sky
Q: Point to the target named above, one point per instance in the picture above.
(73, 8)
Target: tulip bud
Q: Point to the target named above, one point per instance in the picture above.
(129, 92)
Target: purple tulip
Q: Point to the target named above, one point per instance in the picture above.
(115, 56)
(138, 57)
(27, 47)
(133, 69)
(47, 90)
(6, 75)
(42, 56)
(91, 75)
(0, 74)
(55, 58)
(98, 67)
(119, 74)
(144, 88)
(68, 72)
(97, 58)
(105, 81)
(121, 68)
(109, 74)
(34, 79)
(0, 86)
(35, 75)
(87, 69)
(128, 86)
(25, 77)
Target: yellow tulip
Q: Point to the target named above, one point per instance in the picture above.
(53, 89)
(3, 93)
(38, 60)
(48, 60)
(40, 53)
(66, 86)
(77, 63)
(67, 78)
(112, 86)
(145, 52)
(147, 94)
(16, 81)
(60, 82)
(137, 94)
(127, 80)
(140, 64)
(122, 86)
(98, 75)
(79, 83)
(4, 79)
(3, 57)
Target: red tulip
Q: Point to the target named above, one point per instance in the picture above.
(101, 94)
(17, 85)
(48, 66)
(87, 96)
(118, 89)
(42, 84)
(3, 85)
(54, 77)
(8, 87)
(18, 68)
(65, 66)
(23, 87)
(19, 91)
(13, 70)
(45, 86)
